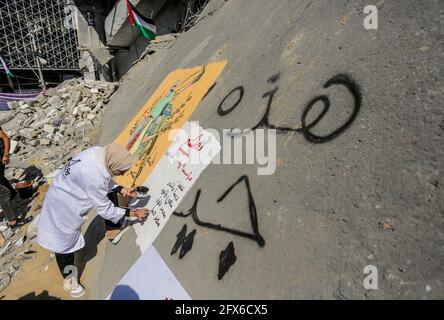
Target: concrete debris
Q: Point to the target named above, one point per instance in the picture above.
(5, 279)
(12, 105)
(5, 248)
(32, 228)
(51, 257)
(13, 147)
(161, 42)
(13, 254)
(61, 119)
(8, 233)
(165, 37)
(20, 241)
(6, 116)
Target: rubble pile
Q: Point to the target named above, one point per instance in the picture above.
(45, 133)
(57, 124)
(12, 256)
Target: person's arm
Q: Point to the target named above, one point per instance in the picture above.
(6, 146)
(115, 187)
(139, 213)
(104, 207)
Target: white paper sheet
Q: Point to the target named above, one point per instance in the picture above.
(149, 279)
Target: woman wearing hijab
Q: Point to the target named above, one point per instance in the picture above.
(84, 183)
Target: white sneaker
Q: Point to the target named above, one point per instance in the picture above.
(73, 287)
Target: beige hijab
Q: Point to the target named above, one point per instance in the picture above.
(116, 158)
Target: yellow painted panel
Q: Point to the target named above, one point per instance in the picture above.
(168, 108)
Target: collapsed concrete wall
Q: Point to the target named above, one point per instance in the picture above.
(114, 43)
(168, 17)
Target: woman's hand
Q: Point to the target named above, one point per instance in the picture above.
(131, 193)
(139, 213)
(5, 159)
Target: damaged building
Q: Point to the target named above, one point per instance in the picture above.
(48, 41)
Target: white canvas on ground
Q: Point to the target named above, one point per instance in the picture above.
(189, 154)
(149, 279)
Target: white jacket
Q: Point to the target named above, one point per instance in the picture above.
(81, 185)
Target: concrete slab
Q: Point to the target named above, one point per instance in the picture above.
(322, 212)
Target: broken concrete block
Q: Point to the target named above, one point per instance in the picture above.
(84, 109)
(62, 90)
(32, 229)
(51, 112)
(6, 116)
(40, 99)
(48, 128)
(11, 133)
(62, 128)
(12, 105)
(26, 111)
(75, 111)
(54, 101)
(45, 142)
(58, 137)
(28, 122)
(33, 143)
(98, 107)
(41, 123)
(13, 146)
(51, 92)
(69, 131)
(28, 133)
(73, 101)
(83, 127)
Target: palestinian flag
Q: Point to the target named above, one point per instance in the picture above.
(146, 26)
(5, 66)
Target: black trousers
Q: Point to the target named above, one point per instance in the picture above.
(4, 182)
(63, 261)
(6, 203)
(7, 193)
(115, 200)
(67, 259)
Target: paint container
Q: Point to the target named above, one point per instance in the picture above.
(141, 192)
(24, 189)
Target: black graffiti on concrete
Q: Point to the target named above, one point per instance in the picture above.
(184, 242)
(306, 128)
(209, 90)
(221, 111)
(255, 235)
(227, 258)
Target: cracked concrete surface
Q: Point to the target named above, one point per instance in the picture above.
(373, 195)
